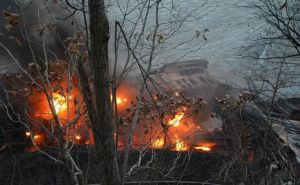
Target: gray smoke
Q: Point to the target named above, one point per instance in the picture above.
(36, 15)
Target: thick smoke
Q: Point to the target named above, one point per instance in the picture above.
(37, 15)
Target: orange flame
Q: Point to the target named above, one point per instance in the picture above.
(38, 139)
(78, 137)
(177, 93)
(59, 102)
(158, 143)
(175, 122)
(204, 148)
(119, 100)
(181, 126)
(180, 145)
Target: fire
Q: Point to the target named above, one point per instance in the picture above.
(180, 145)
(180, 125)
(158, 143)
(177, 118)
(59, 102)
(204, 148)
(38, 139)
(119, 100)
(27, 134)
(68, 104)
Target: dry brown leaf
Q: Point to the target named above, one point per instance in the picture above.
(12, 19)
(18, 41)
(74, 48)
(40, 30)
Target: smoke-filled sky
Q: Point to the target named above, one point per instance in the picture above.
(229, 26)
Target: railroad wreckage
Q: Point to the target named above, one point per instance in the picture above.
(225, 131)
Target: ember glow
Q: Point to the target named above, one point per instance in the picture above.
(27, 134)
(38, 139)
(78, 137)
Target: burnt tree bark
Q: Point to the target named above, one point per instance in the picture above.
(102, 123)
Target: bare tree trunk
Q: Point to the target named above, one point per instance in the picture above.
(102, 127)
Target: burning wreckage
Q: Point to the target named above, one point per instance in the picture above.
(187, 112)
(184, 120)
